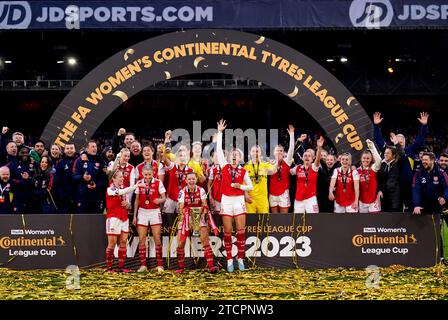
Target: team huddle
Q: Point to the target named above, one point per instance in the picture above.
(176, 184)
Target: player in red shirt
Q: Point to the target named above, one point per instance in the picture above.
(368, 197)
(193, 196)
(147, 213)
(346, 181)
(176, 178)
(214, 184)
(121, 164)
(158, 169)
(279, 200)
(235, 181)
(117, 222)
(306, 199)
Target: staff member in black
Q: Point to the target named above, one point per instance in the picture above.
(389, 190)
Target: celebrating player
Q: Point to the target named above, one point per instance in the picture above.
(117, 222)
(147, 213)
(176, 178)
(306, 200)
(158, 170)
(258, 170)
(232, 203)
(193, 196)
(368, 199)
(214, 184)
(279, 200)
(346, 182)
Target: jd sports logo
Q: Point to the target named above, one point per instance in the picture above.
(371, 13)
(15, 14)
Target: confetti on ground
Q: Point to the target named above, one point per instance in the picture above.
(396, 282)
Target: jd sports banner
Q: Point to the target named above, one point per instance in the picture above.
(255, 14)
(279, 241)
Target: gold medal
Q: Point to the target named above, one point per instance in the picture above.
(147, 202)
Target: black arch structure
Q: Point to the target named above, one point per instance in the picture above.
(70, 123)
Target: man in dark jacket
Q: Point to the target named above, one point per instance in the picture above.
(22, 172)
(64, 173)
(409, 153)
(430, 187)
(430, 190)
(89, 178)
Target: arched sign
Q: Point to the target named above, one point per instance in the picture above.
(211, 51)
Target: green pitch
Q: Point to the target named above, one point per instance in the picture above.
(395, 282)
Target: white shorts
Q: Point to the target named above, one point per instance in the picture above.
(170, 206)
(115, 226)
(341, 209)
(370, 207)
(281, 201)
(309, 205)
(232, 206)
(149, 217)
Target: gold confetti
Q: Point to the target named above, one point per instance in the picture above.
(197, 60)
(120, 94)
(338, 137)
(260, 40)
(168, 75)
(396, 283)
(224, 63)
(294, 92)
(127, 53)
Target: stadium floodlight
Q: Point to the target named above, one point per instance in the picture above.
(343, 59)
(398, 60)
(8, 61)
(60, 61)
(71, 61)
(390, 70)
(330, 60)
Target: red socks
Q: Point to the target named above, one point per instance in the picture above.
(121, 257)
(159, 255)
(180, 258)
(241, 242)
(142, 254)
(208, 253)
(228, 245)
(109, 257)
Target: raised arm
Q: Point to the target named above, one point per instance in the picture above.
(377, 135)
(421, 137)
(320, 144)
(376, 156)
(219, 152)
(290, 154)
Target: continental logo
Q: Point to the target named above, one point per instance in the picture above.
(360, 240)
(7, 242)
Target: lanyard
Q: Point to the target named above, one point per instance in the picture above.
(233, 173)
(279, 171)
(306, 171)
(147, 190)
(256, 171)
(180, 175)
(366, 174)
(344, 179)
(191, 195)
